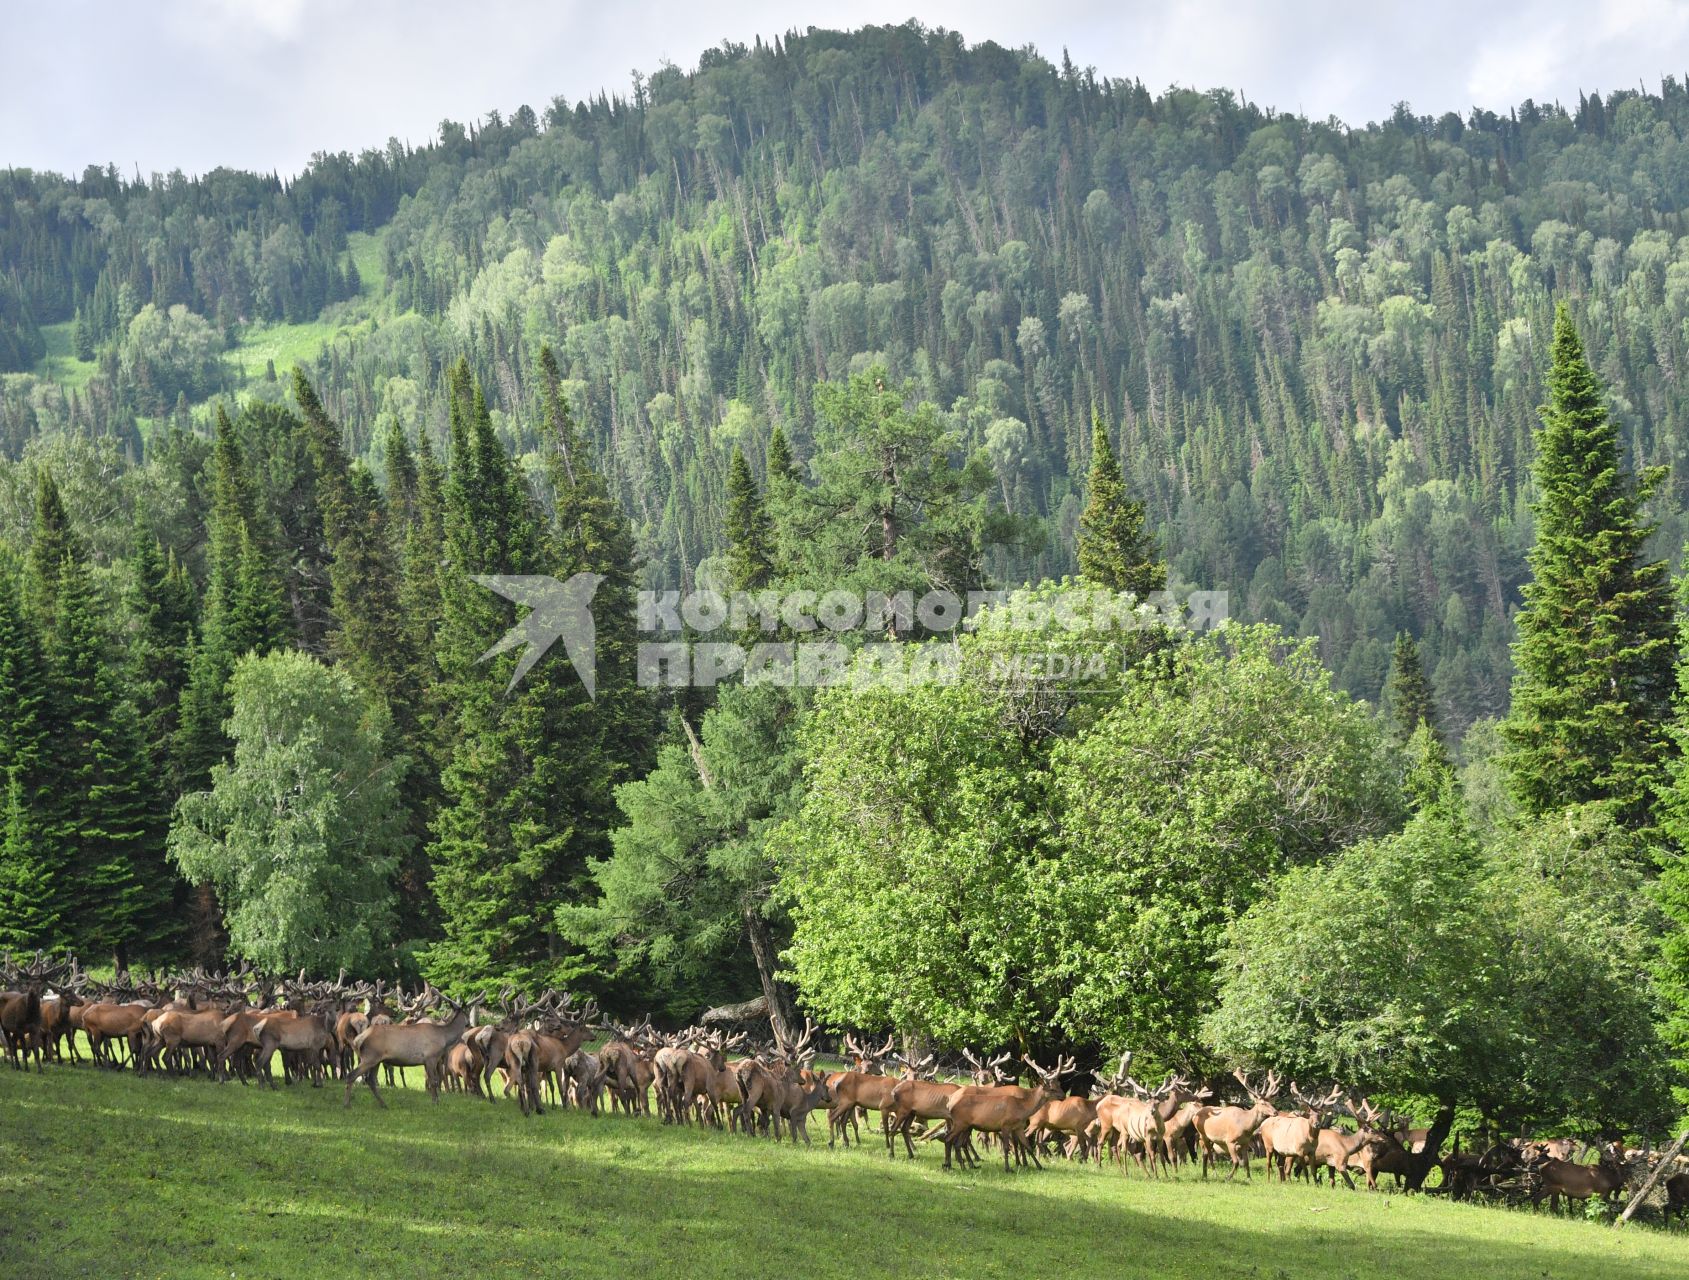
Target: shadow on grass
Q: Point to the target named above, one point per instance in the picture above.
(111, 1175)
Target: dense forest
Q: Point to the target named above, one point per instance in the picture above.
(1323, 344)
(652, 337)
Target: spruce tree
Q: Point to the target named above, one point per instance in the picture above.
(32, 892)
(1116, 551)
(245, 610)
(32, 883)
(1593, 659)
(749, 555)
(1408, 692)
(158, 604)
(368, 632)
(100, 815)
(529, 787)
(1671, 889)
(782, 469)
(23, 682)
(496, 837)
(51, 540)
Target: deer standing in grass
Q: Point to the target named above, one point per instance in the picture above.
(408, 1044)
(1289, 1140)
(1002, 1110)
(1230, 1131)
(863, 1088)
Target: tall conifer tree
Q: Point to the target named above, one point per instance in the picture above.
(1593, 660)
(1116, 551)
(1408, 692)
(749, 554)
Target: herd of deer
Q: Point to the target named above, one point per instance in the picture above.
(226, 1025)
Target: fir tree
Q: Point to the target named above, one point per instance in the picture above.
(31, 879)
(1408, 692)
(529, 788)
(23, 682)
(1116, 551)
(32, 892)
(749, 556)
(244, 611)
(158, 603)
(100, 814)
(1593, 659)
(782, 469)
(51, 540)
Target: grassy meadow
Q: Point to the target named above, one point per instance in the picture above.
(106, 1174)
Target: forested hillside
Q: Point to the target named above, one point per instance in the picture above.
(878, 312)
(1323, 345)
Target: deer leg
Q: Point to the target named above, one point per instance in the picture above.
(267, 1051)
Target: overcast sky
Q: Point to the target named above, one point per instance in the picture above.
(262, 84)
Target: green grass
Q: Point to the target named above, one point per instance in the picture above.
(60, 364)
(286, 344)
(365, 248)
(291, 344)
(106, 1174)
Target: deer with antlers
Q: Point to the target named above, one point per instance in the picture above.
(559, 1031)
(864, 1087)
(1230, 1131)
(918, 1096)
(1289, 1140)
(1605, 1178)
(796, 1088)
(1002, 1110)
(628, 1069)
(21, 1030)
(409, 1044)
(1074, 1116)
(1138, 1125)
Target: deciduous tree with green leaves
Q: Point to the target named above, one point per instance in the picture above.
(302, 830)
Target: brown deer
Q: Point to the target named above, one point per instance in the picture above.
(584, 1080)
(1384, 1152)
(1075, 1117)
(684, 1079)
(1677, 1196)
(796, 1093)
(309, 1035)
(628, 1071)
(1337, 1151)
(120, 1023)
(1605, 1178)
(1140, 1123)
(408, 1044)
(916, 1097)
(1000, 1109)
(863, 1088)
(760, 1094)
(20, 1025)
(59, 1023)
(560, 1031)
(1231, 1130)
(176, 1036)
(462, 1068)
(1289, 1140)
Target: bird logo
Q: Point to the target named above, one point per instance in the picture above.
(556, 611)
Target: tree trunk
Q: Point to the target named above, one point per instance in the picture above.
(780, 1011)
(1422, 1162)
